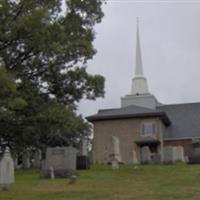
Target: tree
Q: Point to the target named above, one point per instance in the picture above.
(51, 46)
(46, 48)
(10, 104)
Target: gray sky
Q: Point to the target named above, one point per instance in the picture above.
(170, 45)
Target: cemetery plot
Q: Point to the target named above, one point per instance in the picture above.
(148, 182)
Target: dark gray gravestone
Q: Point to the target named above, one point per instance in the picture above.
(62, 160)
(37, 157)
(194, 156)
(156, 159)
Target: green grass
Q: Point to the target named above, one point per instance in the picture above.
(149, 182)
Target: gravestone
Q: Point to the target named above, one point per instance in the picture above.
(115, 164)
(133, 157)
(37, 157)
(84, 147)
(7, 166)
(180, 154)
(26, 160)
(156, 158)
(186, 159)
(116, 149)
(52, 175)
(169, 153)
(145, 155)
(194, 156)
(61, 159)
(16, 160)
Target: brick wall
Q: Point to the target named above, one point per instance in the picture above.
(127, 130)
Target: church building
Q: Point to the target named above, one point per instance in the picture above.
(143, 121)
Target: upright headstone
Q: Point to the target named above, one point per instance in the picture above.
(37, 157)
(26, 160)
(16, 161)
(194, 156)
(61, 159)
(116, 149)
(156, 158)
(84, 147)
(115, 164)
(7, 166)
(169, 153)
(133, 157)
(145, 155)
(52, 175)
(180, 154)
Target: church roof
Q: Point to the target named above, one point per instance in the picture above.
(129, 112)
(185, 120)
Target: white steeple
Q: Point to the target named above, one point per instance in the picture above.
(140, 95)
(139, 82)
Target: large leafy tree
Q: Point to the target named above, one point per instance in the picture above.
(51, 46)
(46, 45)
(10, 104)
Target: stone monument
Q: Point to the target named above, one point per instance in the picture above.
(115, 164)
(7, 166)
(116, 149)
(84, 147)
(180, 154)
(169, 153)
(145, 155)
(61, 159)
(133, 157)
(26, 161)
(37, 157)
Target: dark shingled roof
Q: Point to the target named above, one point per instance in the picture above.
(129, 112)
(185, 120)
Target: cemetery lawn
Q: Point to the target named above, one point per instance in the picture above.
(149, 182)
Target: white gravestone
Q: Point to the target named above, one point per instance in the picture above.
(145, 154)
(52, 175)
(7, 166)
(115, 164)
(180, 154)
(169, 154)
(116, 149)
(133, 157)
(84, 147)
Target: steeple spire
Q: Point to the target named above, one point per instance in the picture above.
(139, 82)
(138, 59)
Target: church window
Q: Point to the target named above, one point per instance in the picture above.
(148, 129)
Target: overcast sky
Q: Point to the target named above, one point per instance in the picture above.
(170, 45)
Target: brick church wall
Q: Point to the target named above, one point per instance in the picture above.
(127, 130)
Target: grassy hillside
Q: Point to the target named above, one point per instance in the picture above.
(149, 182)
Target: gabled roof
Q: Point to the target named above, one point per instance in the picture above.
(185, 120)
(129, 112)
